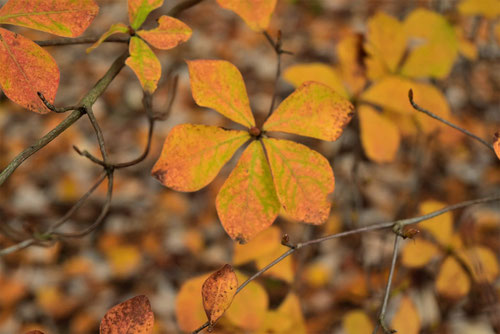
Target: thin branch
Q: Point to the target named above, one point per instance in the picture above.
(16, 247)
(178, 9)
(81, 40)
(52, 107)
(456, 127)
(99, 135)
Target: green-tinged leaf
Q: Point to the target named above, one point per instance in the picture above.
(322, 73)
(133, 316)
(118, 28)
(217, 84)
(385, 45)
(487, 8)
(193, 155)
(379, 135)
(169, 33)
(25, 69)
(138, 11)
(313, 110)
(247, 202)
(68, 18)
(303, 180)
(255, 13)
(144, 63)
(436, 45)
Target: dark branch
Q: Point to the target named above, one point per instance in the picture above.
(81, 40)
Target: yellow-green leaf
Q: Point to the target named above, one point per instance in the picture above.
(68, 18)
(25, 69)
(193, 155)
(322, 73)
(144, 63)
(256, 13)
(138, 11)
(218, 292)
(379, 135)
(169, 33)
(313, 110)
(303, 180)
(487, 8)
(247, 202)
(217, 84)
(118, 28)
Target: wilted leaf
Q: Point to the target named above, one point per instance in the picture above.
(379, 135)
(117, 28)
(322, 73)
(193, 155)
(496, 144)
(303, 180)
(218, 85)
(66, 18)
(256, 13)
(313, 110)
(138, 11)
(247, 202)
(441, 227)
(406, 320)
(482, 262)
(25, 69)
(452, 281)
(357, 322)
(218, 292)
(133, 316)
(264, 243)
(189, 305)
(144, 63)
(487, 8)
(418, 252)
(169, 33)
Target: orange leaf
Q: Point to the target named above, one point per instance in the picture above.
(25, 69)
(247, 202)
(417, 253)
(193, 155)
(114, 29)
(189, 306)
(138, 11)
(217, 84)
(218, 292)
(256, 13)
(496, 144)
(313, 110)
(357, 322)
(441, 227)
(452, 281)
(144, 63)
(133, 316)
(406, 320)
(169, 33)
(66, 18)
(303, 180)
(379, 135)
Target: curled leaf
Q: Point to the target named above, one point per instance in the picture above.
(218, 292)
(144, 63)
(114, 29)
(133, 316)
(169, 33)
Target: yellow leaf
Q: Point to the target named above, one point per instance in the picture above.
(418, 252)
(406, 320)
(357, 322)
(350, 52)
(117, 28)
(487, 8)
(452, 281)
(124, 259)
(379, 135)
(264, 243)
(313, 110)
(283, 270)
(256, 13)
(144, 63)
(440, 227)
(193, 155)
(169, 33)
(317, 274)
(189, 305)
(482, 262)
(218, 292)
(467, 48)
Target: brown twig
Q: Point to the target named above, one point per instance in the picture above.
(81, 40)
(52, 107)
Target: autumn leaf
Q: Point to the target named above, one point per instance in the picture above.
(138, 11)
(247, 202)
(144, 63)
(357, 322)
(440, 227)
(66, 18)
(189, 309)
(169, 33)
(117, 28)
(487, 8)
(133, 316)
(218, 292)
(325, 74)
(496, 144)
(418, 252)
(406, 320)
(25, 69)
(193, 155)
(256, 13)
(452, 281)
(482, 262)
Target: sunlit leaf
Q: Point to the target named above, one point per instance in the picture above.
(218, 85)
(486, 8)
(138, 11)
(133, 316)
(357, 322)
(144, 63)
(169, 33)
(322, 73)
(436, 48)
(441, 227)
(189, 309)
(385, 44)
(482, 262)
(247, 202)
(452, 281)
(418, 252)
(256, 13)
(379, 135)
(117, 28)
(25, 69)
(193, 155)
(303, 180)
(67, 18)
(218, 292)
(313, 110)
(406, 320)
(264, 243)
